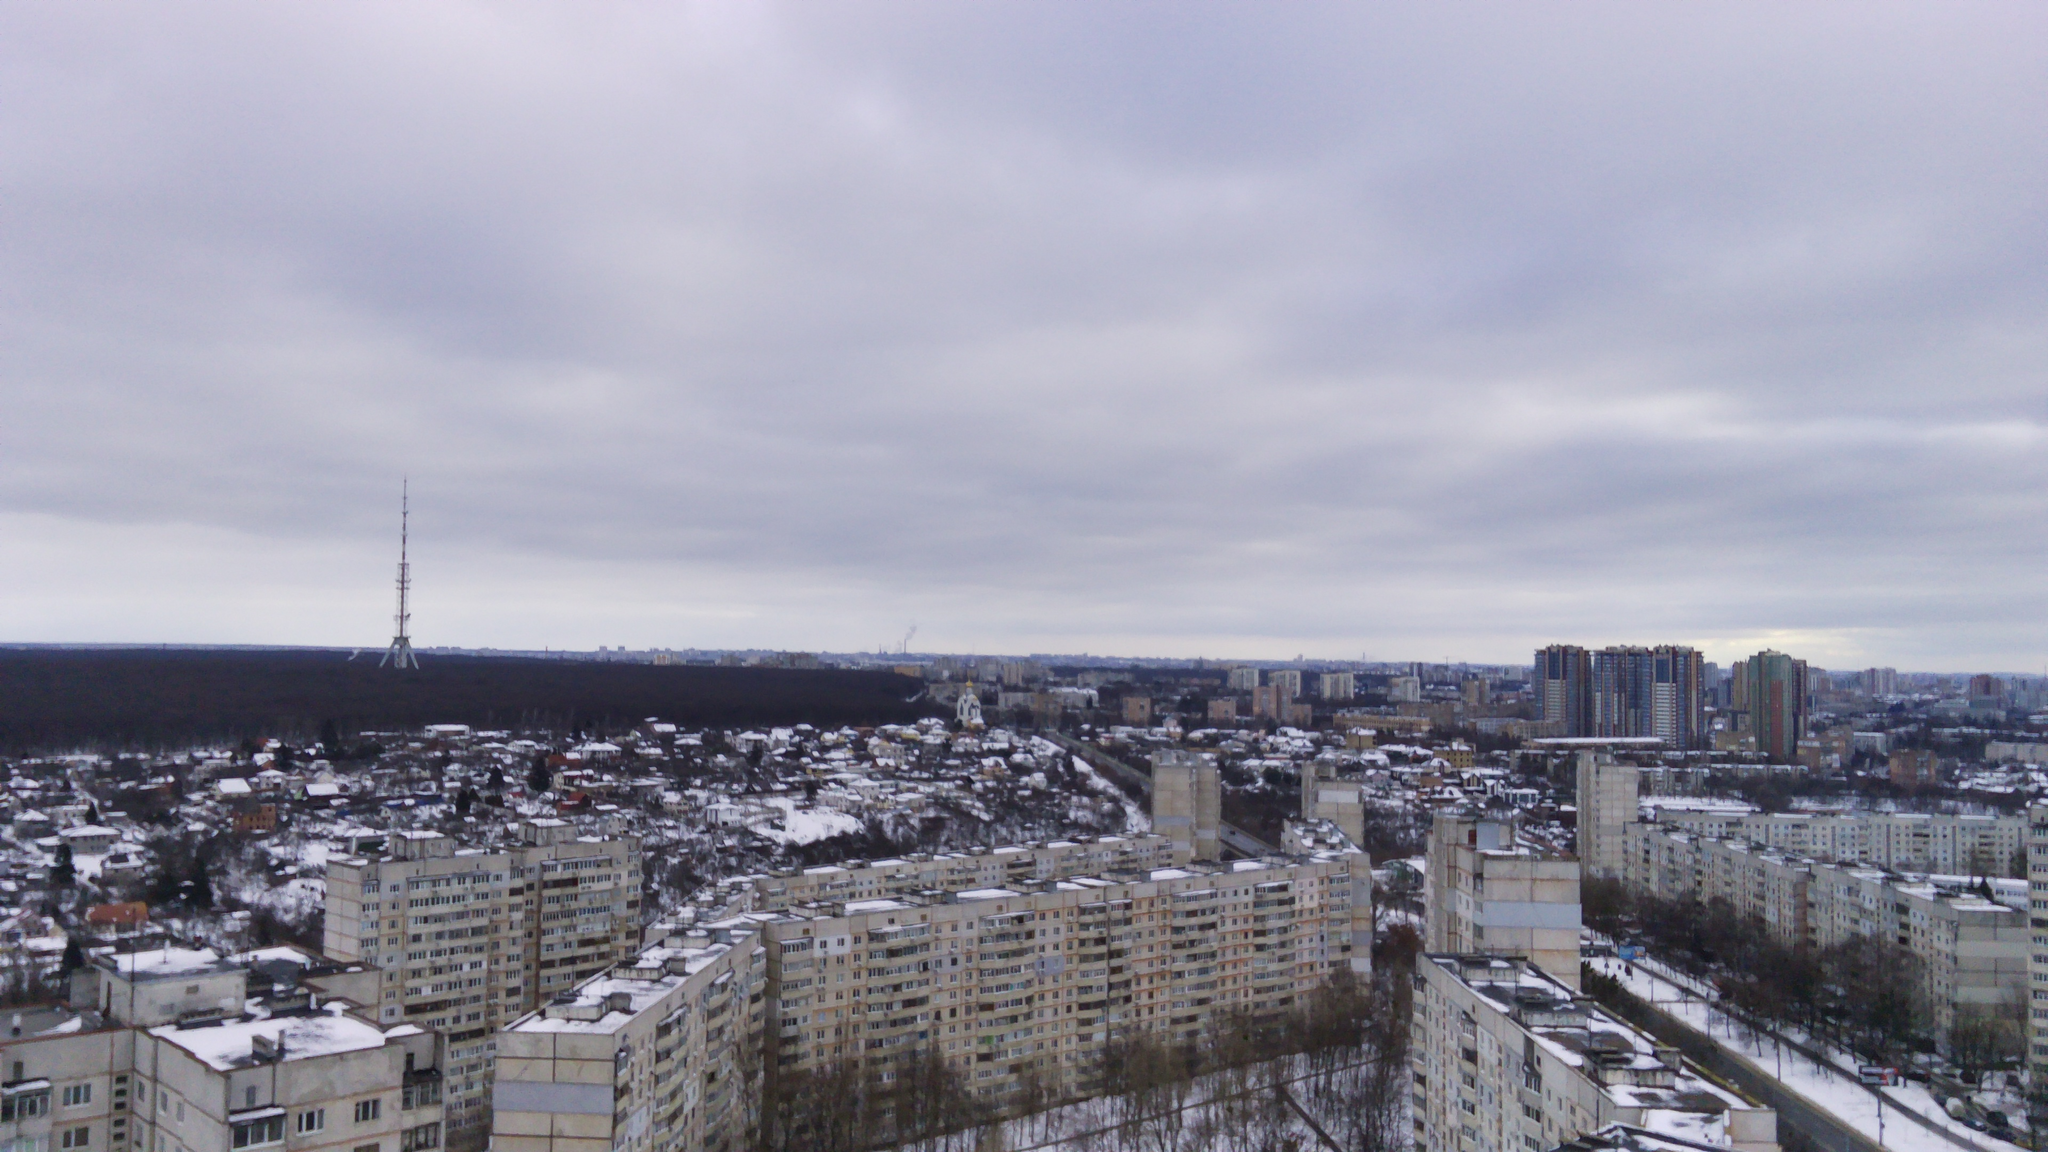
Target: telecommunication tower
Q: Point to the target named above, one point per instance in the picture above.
(400, 653)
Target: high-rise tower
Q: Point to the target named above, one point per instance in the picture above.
(400, 653)
(1778, 705)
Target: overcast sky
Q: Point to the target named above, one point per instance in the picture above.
(1382, 331)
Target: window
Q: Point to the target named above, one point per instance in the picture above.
(25, 1105)
(249, 1096)
(314, 1120)
(80, 1137)
(268, 1130)
(368, 1110)
(424, 1136)
(76, 1094)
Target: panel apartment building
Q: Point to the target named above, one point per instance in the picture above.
(1507, 1058)
(1488, 893)
(662, 1053)
(2037, 964)
(179, 1050)
(468, 938)
(1973, 952)
(1905, 841)
(1029, 978)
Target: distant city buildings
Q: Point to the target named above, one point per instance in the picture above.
(1623, 692)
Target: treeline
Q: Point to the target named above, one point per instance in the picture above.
(1867, 994)
(148, 698)
(1349, 1065)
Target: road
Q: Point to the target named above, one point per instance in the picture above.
(1794, 1110)
(1234, 838)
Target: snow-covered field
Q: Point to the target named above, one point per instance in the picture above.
(1832, 1088)
(803, 825)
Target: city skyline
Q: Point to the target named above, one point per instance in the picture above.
(1180, 331)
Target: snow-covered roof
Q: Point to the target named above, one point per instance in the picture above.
(170, 963)
(232, 1045)
(88, 831)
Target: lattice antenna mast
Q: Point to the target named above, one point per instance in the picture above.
(400, 654)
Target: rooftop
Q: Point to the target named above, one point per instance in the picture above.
(236, 1044)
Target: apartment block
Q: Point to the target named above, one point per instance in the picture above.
(1507, 1058)
(1288, 680)
(1903, 841)
(1032, 980)
(1607, 801)
(467, 938)
(2037, 964)
(179, 1050)
(1336, 686)
(1326, 796)
(908, 875)
(1973, 952)
(661, 1053)
(1490, 893)
(1002, 983)
(1187, 803)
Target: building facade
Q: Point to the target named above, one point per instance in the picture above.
(1026, 982)
(1489, 893)
(466, 939)
(179, 1050)
(1507, 1058)
(1973, 951)
(1777, 696)
(1608, 796)
(1187, 802)
(660, 1054)
(1941, 843)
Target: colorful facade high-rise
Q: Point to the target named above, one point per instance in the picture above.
(1777, 691)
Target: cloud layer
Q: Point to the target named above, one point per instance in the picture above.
(1170, 329)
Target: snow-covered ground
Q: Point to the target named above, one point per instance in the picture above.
(1225, 1111)
(802, 825)
(1832, 1088)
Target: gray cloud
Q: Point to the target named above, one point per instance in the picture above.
(1172, 329)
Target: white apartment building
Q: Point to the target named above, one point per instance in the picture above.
(1327, 796)
(161, 1056)
(1187, 803)
(2037, 959)
(467, 938)
(1336, 686)
(1607, 802)
(662, 1054)
(1028, 979)
(1973, 951)
(1507, 1058)
(1037, 977)
(867, 880)
(1490, 893)
(1902, 841)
